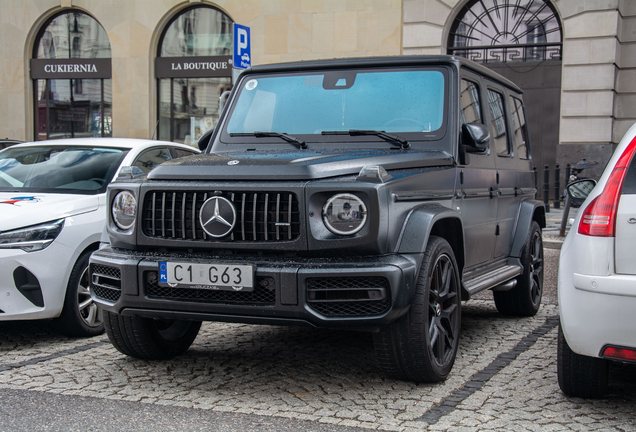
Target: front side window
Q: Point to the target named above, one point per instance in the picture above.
(471, 111)
(149, 159)
(317, 103)
(59, 169)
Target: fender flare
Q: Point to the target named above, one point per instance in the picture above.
(530, 210)
(419, 224)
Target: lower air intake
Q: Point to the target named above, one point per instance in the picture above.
(349, 296)
(106, 282)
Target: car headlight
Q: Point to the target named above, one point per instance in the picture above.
(124, 210)
(344, 214)
(32, 238)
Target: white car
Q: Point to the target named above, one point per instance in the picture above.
(52, 214)
(597, 278)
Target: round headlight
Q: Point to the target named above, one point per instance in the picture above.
(124, 210)
(344, 214)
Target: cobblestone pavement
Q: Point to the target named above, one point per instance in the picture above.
(504, 377)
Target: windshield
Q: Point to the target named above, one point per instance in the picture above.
(59, 168)
(405, 101)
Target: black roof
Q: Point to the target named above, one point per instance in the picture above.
(359, 62)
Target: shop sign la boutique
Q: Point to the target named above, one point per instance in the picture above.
(71, 68)
(193, 67)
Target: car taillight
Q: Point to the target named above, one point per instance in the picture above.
(619, 353)
(599, 218)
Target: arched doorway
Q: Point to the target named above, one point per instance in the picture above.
(521, 40)
(71, 72)
(193, 68)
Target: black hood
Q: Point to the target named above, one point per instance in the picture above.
(294, 164)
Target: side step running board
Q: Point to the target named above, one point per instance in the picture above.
(493, 278)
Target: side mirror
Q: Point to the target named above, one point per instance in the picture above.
(475, 137)
(130, 172)
(223, 99)
(203, 142)
(580, 189)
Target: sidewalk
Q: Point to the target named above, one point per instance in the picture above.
(551, 233)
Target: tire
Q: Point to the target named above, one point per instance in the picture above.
(422, 345)
(579, 375)
(148, 338)
(80, 315)
(525, 298)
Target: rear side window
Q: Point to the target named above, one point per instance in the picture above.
(629, 184)
(519, 129)
(471, 111)
(498, 123)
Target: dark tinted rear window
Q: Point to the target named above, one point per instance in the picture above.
(629, 186)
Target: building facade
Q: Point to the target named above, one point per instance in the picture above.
(149, 68)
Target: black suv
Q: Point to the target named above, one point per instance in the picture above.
(369, 194)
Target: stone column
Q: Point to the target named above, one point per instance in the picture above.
(591, 64)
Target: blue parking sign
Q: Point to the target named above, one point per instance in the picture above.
(242, 51)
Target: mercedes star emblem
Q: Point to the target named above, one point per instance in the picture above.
(217, 216)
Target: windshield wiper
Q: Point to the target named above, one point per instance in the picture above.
(284, 136)
(404, 144)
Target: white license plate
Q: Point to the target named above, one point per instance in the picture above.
(224, 277)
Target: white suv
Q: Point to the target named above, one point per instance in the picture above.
(53, 208)
(597, 278)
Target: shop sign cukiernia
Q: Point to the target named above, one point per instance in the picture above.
(78, 68)
(193, 67)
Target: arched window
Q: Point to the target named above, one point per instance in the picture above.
(193, 68)
(71, 72)
(506, 31)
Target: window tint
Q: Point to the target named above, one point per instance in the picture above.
(471, 112)
(520, 130)
(498, 123)
(629, 185)
(149, 159)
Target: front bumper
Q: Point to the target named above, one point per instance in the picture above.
(33, 285)
(323, 292)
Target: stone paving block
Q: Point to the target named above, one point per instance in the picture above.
(302, 376)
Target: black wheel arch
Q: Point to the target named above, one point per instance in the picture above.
(432, 219)
(529, 211)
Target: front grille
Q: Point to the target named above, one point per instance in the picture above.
(260, 217)
(264, 293)
(348, 296)
(106, 282)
